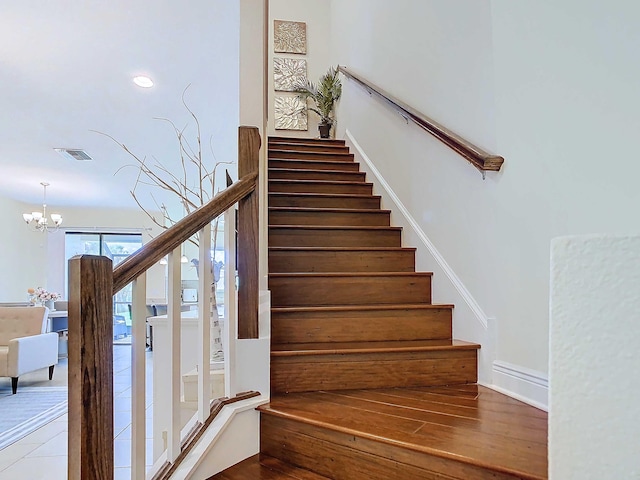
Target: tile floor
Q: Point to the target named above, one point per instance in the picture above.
(42, 455)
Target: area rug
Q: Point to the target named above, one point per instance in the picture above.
(28, 410)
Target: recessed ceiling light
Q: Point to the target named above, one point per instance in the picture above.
(143, 81)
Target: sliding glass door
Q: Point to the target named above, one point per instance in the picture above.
(116, 246)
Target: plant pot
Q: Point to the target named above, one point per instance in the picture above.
(324, 130)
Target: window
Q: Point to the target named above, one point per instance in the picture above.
(117, 247)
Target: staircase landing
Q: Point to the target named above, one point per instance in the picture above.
(458, 432)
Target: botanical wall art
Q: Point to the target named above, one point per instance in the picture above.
(289, 37)
(290, 113)
(288, 72)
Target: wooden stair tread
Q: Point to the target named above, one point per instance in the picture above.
(333, 348)
(310, 170)
(321, 182)
(309, 161)
(306, 143)
(343, 249)
(331, 195)
(401, 423)
(311, 140)
(273, 149)
(337, 227)
(342, 308)
(350, 274)
(264, 467)
(364, 211)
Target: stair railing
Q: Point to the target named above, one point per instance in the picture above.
(92, 283)
(479, 158)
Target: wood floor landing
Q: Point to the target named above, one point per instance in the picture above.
(263, 467)
(464, 431)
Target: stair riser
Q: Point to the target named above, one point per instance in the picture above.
(343, 456)
(300, 237)
(356, 219)
(323, 156)
(347, 326)
(306, 373)
(312, 187)
(341, 261)
(309, 165)
(312, 201)
(292, 291)
(306, 141)
(324, 175)
(302, 147)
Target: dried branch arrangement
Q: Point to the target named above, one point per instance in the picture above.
(193, 185)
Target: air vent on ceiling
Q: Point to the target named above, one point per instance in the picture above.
(74, 153)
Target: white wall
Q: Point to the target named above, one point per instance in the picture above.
(551, 87)
(31, 259)
(316, 15)
(24, 252)
(595, 403)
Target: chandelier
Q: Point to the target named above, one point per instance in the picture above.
(40, 218)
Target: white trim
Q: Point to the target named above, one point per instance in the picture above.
(521, 383)
(453, 278)
(207, 443)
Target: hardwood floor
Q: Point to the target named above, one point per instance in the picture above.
(462, 431)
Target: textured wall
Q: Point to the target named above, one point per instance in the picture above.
(594, 414)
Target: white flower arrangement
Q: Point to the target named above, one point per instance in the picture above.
(40, 295)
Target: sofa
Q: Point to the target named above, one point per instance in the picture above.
(25, 345)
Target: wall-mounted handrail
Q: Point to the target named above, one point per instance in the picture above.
(479, 158)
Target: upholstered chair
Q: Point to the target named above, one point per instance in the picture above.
(25, 345)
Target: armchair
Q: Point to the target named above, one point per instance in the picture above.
(25, 345)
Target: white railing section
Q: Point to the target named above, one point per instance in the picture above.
(168, 398)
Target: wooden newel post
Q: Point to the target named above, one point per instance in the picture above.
(248, 229)
(90, 368)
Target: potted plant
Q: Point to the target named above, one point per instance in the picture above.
(324, 95)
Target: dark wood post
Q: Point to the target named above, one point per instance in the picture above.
(248, 229)
(90, 368)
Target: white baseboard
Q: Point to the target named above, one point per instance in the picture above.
(446, 268)
(528, 386)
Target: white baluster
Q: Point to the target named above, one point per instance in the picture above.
(138, 377)
(230, 302)
(205, 285)
(174, 324)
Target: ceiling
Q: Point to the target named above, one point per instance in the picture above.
(66, 71)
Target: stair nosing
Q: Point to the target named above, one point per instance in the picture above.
(338, 227)
(311, 161)
(313, 194)
(340, 308)
(351, 274)
(455, 345)
(367, 211)
(323, 182)
(346, 154)
(345, 249)
(306, 170)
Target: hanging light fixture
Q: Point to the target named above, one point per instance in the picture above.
(40, 218)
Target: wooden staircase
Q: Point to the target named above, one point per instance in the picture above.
(367, 382)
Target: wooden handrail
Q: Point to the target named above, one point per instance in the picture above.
(479, 158)
(139, 262)
(92, 283)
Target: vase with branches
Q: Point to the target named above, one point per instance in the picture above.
(192, 186)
